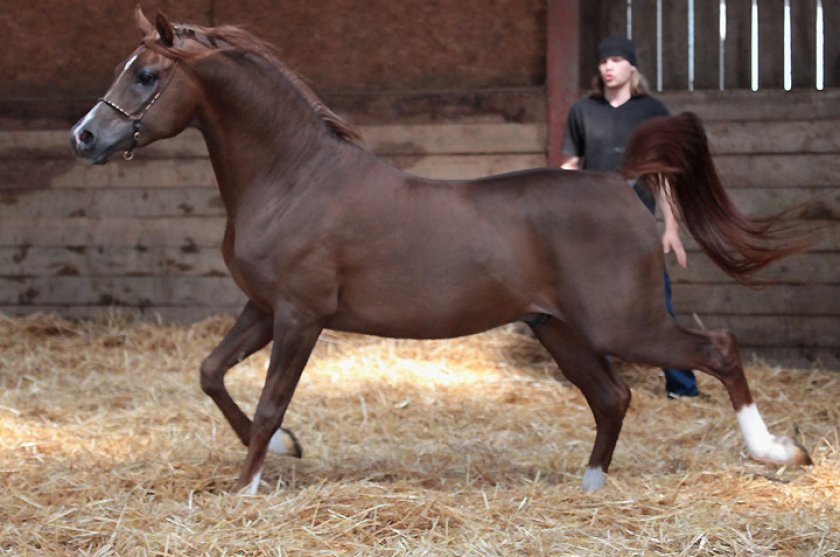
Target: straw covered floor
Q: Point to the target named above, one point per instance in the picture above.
(461, 447)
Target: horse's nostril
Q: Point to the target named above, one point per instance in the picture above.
(85, 138)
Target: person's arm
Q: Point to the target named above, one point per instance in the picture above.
(572, 163)
(671, 236)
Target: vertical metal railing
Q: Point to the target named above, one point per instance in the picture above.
(759, 42)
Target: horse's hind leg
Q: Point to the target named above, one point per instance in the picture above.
(252, 330)
(716, 353)
(607, 394)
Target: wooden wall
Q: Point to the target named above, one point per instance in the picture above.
(144, 235)
(58, 57)
(773, 150)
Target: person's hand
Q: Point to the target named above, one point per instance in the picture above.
(671, 240)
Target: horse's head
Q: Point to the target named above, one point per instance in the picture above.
(151, 98)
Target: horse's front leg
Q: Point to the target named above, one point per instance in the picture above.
(293, 343)
(252, 330)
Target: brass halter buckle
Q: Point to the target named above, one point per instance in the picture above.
(137, 117)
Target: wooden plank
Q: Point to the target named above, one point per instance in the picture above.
(825, 202)
(779, 170)
(110, 261)
(186, 233)
(722, 299)
(771, 44)
(762, 137)
(445, 138)
(728, 136)
(737, 46)
(644, 38)
(562, 75)
(121, 291)
(180, 314)
(768, 104)
(198, 202)
(39, 174)
(774, 331)
(674, 46)
(706, 45)
(112, 202)
(801, 357)
(827, 240)
(810, 268)
(831, 15)
(803, 43)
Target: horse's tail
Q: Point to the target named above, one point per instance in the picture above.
(675, 148)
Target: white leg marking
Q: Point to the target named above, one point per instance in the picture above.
(255, 483)
(593, 479)
(760, 443)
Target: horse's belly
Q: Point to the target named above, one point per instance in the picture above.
(442, 312)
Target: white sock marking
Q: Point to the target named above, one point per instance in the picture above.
(593, 479)
(255, 483)
(760, 443)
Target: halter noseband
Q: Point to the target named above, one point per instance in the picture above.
(137, 117)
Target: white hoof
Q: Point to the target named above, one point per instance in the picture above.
(593, 479)
(284, 443)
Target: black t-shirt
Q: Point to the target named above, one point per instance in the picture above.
(598, 132)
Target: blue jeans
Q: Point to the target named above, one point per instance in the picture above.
(679, 382)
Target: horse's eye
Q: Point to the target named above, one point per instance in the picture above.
(146, 77)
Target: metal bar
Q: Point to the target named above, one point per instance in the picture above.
(722, 47)
(754, 45)
(820, 48)
(691, 45)
(659, 45)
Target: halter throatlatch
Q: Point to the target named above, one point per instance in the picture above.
(137, 117)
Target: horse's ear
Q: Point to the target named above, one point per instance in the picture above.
(164, 29)
(146, 27)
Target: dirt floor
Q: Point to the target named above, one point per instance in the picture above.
(463, 447)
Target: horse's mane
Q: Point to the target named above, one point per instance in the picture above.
(231, 38)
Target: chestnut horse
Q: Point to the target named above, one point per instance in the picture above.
(321, 233)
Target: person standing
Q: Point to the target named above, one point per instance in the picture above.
(597, 130)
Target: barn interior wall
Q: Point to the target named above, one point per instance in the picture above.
(144, 236)
(62, 55)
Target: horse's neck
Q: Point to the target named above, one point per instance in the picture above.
(258, 128)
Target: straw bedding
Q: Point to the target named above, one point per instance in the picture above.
(462, 447)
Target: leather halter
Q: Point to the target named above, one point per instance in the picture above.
(137, 116)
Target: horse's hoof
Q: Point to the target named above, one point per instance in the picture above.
(798, 453)
(593, 480)
(784, 451)
(284, 443)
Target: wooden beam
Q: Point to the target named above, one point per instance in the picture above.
(562, 70)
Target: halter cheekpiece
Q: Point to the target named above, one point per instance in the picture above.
(137, 117)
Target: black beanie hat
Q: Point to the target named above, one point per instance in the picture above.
(617, 46)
